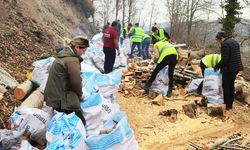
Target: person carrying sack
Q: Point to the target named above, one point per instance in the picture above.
(209, 61)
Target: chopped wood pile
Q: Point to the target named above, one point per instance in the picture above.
(237, 141)
(138, 71)
(134, 76)
(183, 73)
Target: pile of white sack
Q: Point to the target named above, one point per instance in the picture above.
(106, 126)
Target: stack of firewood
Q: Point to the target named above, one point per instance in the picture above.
(135, 75)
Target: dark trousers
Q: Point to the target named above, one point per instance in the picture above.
(77, 112)
(109, 59)
(169, 60)
(228, 79)
(203, 67)
(134, 44)
(145, 48)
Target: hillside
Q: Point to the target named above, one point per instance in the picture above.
(30, 29)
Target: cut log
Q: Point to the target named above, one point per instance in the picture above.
(190, 110)
(35, 100)
(182, 92)
(140, 93)
(2, 89)
(216, 110)
(172, 118)
(171, 114)
(22, 90)
(242, 93)
(159, 100)
(247, 98)
(196, 69)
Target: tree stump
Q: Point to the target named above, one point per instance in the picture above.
(190, 110)
(171, 114)
(216, 110)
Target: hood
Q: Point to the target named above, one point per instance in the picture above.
(68, 52)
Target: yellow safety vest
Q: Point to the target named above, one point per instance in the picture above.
(161, 36)
(126, 32)
(137, 37)
(165, 48)
(145, 36)
(211, 60)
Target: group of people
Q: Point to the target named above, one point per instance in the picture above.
(229, 61)
(163, 50)
(63, 90)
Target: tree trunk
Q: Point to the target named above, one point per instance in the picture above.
(123, 13)
(116, 9)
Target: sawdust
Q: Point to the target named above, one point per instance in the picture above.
(155, 132)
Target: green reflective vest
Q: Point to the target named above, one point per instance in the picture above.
(137, 36)
(145, 36)
(211, 60)
(165, 48)
(161, 35)
(126, 32)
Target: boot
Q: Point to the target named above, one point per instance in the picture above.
(169, 94)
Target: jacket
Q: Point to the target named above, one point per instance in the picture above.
(164, 48)
(230, 56)
(137, 34)
(64, 85)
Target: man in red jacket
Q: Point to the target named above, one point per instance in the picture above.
(110, 44)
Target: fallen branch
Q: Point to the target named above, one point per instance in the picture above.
(232, 140)
(231, 147)
(175, 99)
(197, 147)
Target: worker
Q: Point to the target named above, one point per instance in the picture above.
(145, 46)
(63, 90)
(118, 29)
(167, 55)
(207, 62)
(110, 45)
(106, 26)
(136, 39)
(159, 34)
(125, 33)
(229, 66)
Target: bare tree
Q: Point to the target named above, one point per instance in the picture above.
(131, 9)
(177, 18)
(118, 6)
(193, 6)
(123, 12)
(152, 14)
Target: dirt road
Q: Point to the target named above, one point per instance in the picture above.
(155, 132)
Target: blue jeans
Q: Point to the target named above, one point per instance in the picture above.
(145, 46)
(138, 44)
